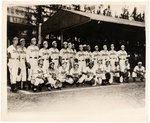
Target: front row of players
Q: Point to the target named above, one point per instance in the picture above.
(92, 71)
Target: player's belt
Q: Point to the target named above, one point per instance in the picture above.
(122, 59)
(33, 57)
(65, 59)
(81, 60)
(46, 59)
(55, 59)
(15, 58)
(22, 58)
(112, 58)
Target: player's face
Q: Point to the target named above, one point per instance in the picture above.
(45, 45)
(81, 48)
(65, 46)
(40, 63)
(140, 65)
(52, 66)
(73, 46)
(69, 45)
(55, 45)
(33, 41)
(105, 47)
(90, 65)
(89, 48)
(22, 43)
(76, 67)
(64, 65)
(15, 41)
(96, 48)
(122, 48)
(112, 47)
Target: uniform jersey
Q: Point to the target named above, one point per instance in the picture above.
(38, 72)
(75, 73)
(53, 73)
(96, 55)
(99, 69)
(107, 69)
(54, 53)
(44, 54)
(70, 53)
(80, 55)
(22, 53)
(63, 72)
(32, 52)
(122, 55)
(13, 52)
(137, 69)
(104, 54)
(90, 71)
(64, 54)
(113, 55)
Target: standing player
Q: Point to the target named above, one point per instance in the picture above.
(113, 55)
(96, 55)
(44, 54)
(104, 54)
(70, 55)
(74, 50)
(32, 55)
(116, 72)
(22, 76)
(64, 55)
(13, 63)
(80, 57)
(54, 54)
(122, 55)
(138, 72)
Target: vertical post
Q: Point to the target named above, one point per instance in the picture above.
(39, 34)
(61, 38)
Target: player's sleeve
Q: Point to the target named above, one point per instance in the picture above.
(135, 69)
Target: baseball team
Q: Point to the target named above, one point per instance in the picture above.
(32, 68)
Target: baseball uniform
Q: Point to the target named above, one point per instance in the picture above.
(96, 56)
(113, 55)
(138, 71)
(104, 56)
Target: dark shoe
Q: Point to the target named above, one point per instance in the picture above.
(24, 85)
(49, 87)
(18, 85)
(29, 85)
(13, 88)
(134, 79)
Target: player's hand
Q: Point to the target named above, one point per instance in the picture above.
(28, 65)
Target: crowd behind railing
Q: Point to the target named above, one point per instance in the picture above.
(135, 15)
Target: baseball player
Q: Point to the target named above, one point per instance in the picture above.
(64, 55)
(108, 73)
(99, 70)
(54, 54)
(70, 54)
(126, 72)
(44, 54)
(89, 74)
(113, 55)
(138, 72)
(96, 55)
(86, 54)
(64, 74)
(76, 74)
(37, 78)
(74, 50)
(13, 63)
(81, 58)
(22, 76)
(32, 55)
(52, 77)
(122, 55)
(104, 54)
(116, 71)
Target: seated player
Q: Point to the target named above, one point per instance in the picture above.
(116, 71)
(37, 78)
(52, 77)
(138, 72)
(99, 70)
(64, 76)
(108, 74)
(89, 74)
(125, 73)
(76, 75)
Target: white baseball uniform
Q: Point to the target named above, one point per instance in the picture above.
(107, 69)
(32, 55)
(122, 55)
(44, 54)
(113, 55)
(99, 71)
(71, 56)
(104, 55)
(64, 54)
(96, 55)
(22, 53)
(13, 63)
(139, 70)
(54, 55)
(37, 76)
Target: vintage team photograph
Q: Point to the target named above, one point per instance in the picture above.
(76, 62)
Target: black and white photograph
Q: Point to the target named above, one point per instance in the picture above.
(75, 62)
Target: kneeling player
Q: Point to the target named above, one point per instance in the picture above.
(125, 73)
(108, 74)
(99, 72)
(116, 71)
(138, 72)
(89, 74)
(37, 78)
(64, 76)
(52, 77)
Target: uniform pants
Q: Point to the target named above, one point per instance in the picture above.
(45, 65)
(22, 76)
(37, 81)
(140, 75)
(13, 69)
(122, 65)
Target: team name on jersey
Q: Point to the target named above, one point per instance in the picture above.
(55, 52)
(22, 52)
(34, 50)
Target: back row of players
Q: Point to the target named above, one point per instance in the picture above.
(54, 68)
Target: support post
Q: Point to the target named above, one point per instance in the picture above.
(39, 35)
(61, 38)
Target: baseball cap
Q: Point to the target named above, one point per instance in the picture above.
(80, 45)
(22, 39)
(96, 46)
(54, 42)
(65, 43)
(45, 42)
(51, 63)
(15, 38)
(122, 46)
(139, 62)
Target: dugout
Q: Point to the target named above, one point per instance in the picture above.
(87, 28)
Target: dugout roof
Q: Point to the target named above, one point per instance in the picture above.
(66, 19)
